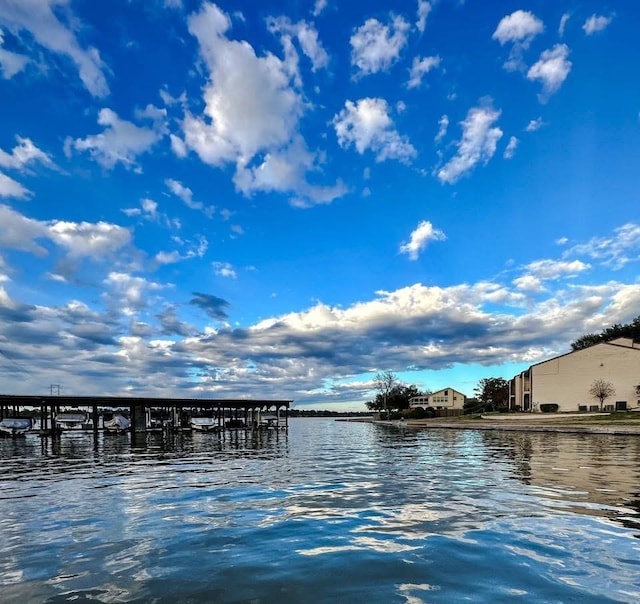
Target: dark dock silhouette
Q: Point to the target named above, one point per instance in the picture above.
(151, 413)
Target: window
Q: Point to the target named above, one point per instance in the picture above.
(621, 405)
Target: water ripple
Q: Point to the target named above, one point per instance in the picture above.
(330, 511)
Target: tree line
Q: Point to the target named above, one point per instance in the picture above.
(627, 330)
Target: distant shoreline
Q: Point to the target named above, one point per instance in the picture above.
(561, 423)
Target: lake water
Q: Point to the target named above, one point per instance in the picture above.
(326, 512)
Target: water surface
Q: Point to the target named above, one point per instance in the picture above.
(326, 512)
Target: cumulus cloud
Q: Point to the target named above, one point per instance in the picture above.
(424, 8)
(284, 170)
(39, 19)
(511, 147)
(614, 252)
(214, 306)
(129, 292)
(186, 195)
(306, 35)
(24, 154)
(121, 141)
(296, 354)
(74, 242)
(11, 63)
(319, 6)
(366, 125)
(252, 112)
(534, 125)
(21, 233)
(596, 23)
(424, 233)
(376, 47)
(12, 188)
(518, 28)
(552, 70)
(478, 143)
(225, 269)
(88, 240)
(536, 273)
(419, 68)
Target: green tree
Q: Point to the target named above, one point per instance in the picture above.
(628, 330)
(492, 394)
(585, 341)
(601, 390)
(392, 394)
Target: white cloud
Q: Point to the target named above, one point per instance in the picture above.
(38, 18)
(224, 269)
(120, 142)
(12, 188)
(21, 233)
(366, 124)
(11, 63)
(376, 47)
(511, 147)
(319, 6)
(420, 237)
(596, 23)
(168, 257)
(520, 26)
(616, 251)
(424, 8)
(186, 195)
(23, 154)
(284, 171)
(534, 125)
(552, 70)
(129, 292)
(250, 103)
(419, 68)
(443, 125)
(307, 37)
(252, 114)
(548, 270)
(88, 240)
(478, 143)
(97, 241)
(563, 23)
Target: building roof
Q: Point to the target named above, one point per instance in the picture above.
(626, 343)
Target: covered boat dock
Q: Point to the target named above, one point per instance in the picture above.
(148, 413)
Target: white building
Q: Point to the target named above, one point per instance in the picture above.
(566, 380)
(448, 398)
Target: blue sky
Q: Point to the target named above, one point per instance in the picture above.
(282, 199)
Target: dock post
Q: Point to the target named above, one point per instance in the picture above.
(95, 418)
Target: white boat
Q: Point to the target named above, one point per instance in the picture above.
(15, 426)
(69, 420)
(204, 424)
(271, 421)
(118, 423)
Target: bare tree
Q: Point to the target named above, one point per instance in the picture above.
(601, 390)
(385, 382)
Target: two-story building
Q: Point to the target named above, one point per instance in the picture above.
(447, 398)
(565, 380)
